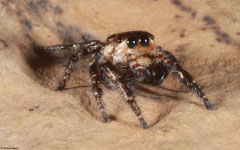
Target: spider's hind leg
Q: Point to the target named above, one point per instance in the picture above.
(171, 64)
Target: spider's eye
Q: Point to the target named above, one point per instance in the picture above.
(132, 42)
(144, 40)
(152, 37)
(119, 40)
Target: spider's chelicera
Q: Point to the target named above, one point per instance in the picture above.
(124, 59)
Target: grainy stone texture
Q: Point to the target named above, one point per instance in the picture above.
(203, 35)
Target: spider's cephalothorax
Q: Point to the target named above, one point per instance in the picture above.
(124, 59)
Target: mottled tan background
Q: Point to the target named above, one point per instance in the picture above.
(204, 36)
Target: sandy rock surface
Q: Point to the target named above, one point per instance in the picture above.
(203, 35)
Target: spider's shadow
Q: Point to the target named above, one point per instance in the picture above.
(145, 92)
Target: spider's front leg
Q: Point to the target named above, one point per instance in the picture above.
(171, 64)
(126, 92)
(97, 91)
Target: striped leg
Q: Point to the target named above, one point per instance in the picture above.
(85, 48)
(125, 92)
(58, 48)
(187, 80)
(171, 64)
(97, 91)
(62, 47)
(68, 70)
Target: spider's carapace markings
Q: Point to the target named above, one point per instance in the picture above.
(121, 61)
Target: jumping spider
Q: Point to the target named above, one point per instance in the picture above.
(124, 59)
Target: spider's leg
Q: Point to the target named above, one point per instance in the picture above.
(86, 47)
(126, 92)
(79, 50)
(68, 70)
(171, 64)
(61, 47)
(97, 91)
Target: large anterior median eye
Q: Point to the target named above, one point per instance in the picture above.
(144, 40)
(132, 42)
